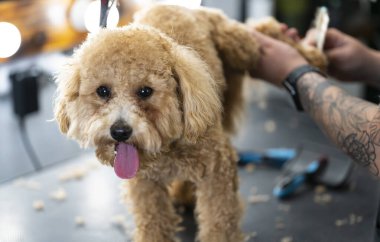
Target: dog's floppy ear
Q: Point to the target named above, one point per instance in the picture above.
(200, 101)
(68, 90)
(61, 116)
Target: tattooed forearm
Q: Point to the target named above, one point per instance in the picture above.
(350, 122)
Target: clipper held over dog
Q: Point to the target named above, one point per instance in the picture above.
(157, 99)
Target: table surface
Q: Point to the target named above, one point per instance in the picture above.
(346, 215)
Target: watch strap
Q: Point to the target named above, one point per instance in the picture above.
(290, 82)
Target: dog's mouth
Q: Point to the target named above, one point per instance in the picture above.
(126, 161)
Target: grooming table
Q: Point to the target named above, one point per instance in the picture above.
(81, 200)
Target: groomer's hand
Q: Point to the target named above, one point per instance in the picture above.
(277, 59)
(290, 32)
(349, 59)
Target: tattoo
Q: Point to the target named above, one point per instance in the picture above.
(360, 148)
(350, 122)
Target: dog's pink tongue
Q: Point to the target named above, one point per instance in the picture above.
(126, 161)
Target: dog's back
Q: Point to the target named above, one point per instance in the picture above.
(211, 35)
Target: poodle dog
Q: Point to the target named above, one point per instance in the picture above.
(158, 99)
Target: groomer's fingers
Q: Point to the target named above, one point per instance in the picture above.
(334, 38)
(336, 55)
(337, 63)
(284, 27)
(262, 38)
(310, 38)
(290, 32)
(293, 34)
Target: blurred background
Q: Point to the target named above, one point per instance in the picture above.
(78, 202)
(37, 36)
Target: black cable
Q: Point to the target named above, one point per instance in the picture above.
(105, 7)
(243, 10)
(28, 145)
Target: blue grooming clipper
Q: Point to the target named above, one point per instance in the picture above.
(275, 157)
(290, 183)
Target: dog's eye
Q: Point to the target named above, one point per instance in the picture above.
(103, 92)
(144, 92)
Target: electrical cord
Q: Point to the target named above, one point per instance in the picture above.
(28, 145)
(104, 10)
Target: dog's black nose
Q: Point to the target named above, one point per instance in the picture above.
(120, 131)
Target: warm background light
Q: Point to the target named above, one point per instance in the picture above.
(77, 14)
(10, 40)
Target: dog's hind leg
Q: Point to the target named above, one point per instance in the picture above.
(272, 28)
(154, 213)
(239, 53)
(233, 40)
(218, 206)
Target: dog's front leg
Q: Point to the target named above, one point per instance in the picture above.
(218, 207)
(154, 214)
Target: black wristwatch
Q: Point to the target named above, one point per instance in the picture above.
(290, 82)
